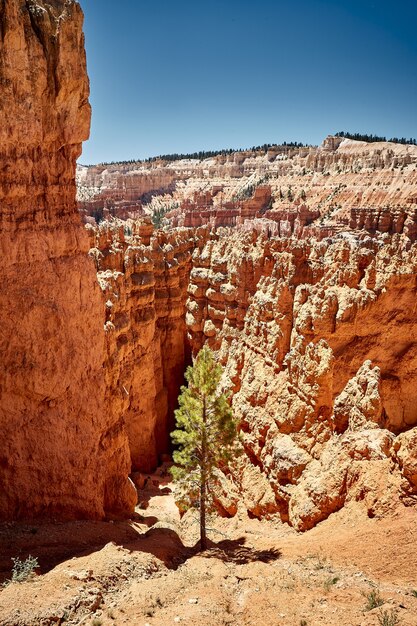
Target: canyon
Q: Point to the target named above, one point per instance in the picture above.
(297, 266)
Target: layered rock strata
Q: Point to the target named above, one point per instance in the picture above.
(64, 454)
(305, 286)
(342, 184)
(319, 345)
(144, 276)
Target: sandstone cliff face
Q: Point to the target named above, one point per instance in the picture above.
(64, 454)
(144, 277)
(319, 344)
(311, 191)
(118, 190)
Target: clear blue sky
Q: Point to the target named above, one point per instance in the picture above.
(182, 76)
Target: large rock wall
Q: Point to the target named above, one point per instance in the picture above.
(144, 276)
(319, 345)
(64, 453)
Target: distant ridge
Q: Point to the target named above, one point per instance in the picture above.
(205, 154)
(376, 138)
(208, 154)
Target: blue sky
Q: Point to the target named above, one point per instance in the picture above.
(190, 75)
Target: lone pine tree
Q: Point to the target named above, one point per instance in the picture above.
(205, 436)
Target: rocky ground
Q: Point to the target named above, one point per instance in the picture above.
(147, 571)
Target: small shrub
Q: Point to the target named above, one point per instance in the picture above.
(414, 593)
(23, 570)
(97, 622)
(373, 600)
(158, 216)
(303, 622)
(390, 618)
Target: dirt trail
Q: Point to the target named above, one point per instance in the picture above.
(147, 571)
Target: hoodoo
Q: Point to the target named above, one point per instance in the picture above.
(64, 453)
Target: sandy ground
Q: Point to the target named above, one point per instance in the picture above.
(147, 572)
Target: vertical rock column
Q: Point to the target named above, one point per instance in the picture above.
(62, 453)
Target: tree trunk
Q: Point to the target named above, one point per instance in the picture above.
(203, 485)
(203, 535)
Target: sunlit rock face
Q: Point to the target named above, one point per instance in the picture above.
(298, 267)
(144, 276)
(309, 191)
(64, 454)
(319, 345)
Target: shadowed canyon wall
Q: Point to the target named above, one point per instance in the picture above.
(64, 454)
(144, 276)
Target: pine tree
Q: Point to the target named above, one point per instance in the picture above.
(205, 436)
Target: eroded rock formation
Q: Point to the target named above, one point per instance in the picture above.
(298, 266)
(144, 276)
(309, 191)
(319, 344)
(64, 454)
(304, 281)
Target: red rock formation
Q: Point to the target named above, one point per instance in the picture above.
(144, 278)
(64, 454)
(319, 344)
(340, 185)
(305, 287)
(119, 188)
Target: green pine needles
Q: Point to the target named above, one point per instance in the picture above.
(205, 437)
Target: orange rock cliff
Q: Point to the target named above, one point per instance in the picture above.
(64, 453)
(296, 265)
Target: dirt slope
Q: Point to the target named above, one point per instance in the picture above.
(256, 573)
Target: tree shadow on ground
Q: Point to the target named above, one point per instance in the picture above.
(148, 520)
(235, 551)
(53, 544)
(165, 544)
